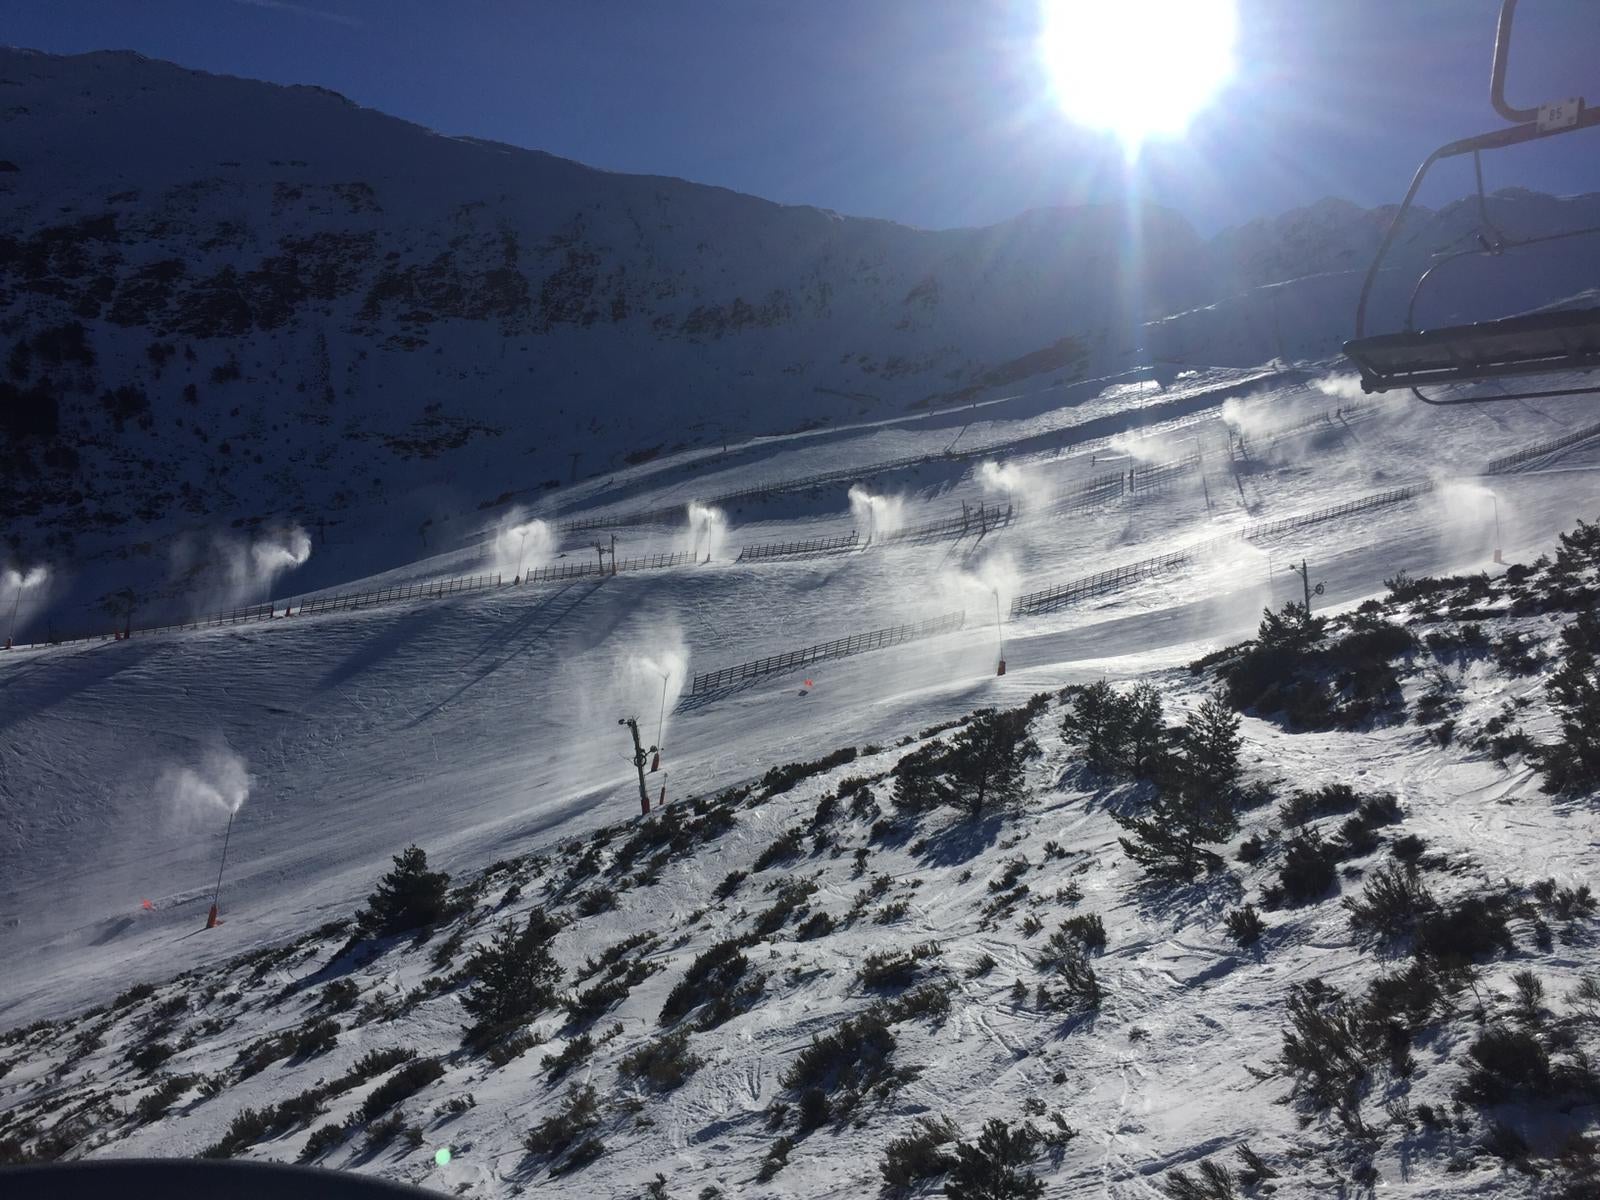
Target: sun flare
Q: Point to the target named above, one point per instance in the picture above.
(1138, 68)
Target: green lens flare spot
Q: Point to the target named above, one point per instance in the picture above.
(441, 1156)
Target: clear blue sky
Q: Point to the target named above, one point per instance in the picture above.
(930, 112)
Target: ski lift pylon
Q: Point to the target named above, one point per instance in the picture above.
(1510, 347)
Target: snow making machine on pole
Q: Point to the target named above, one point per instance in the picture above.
(1512, 347)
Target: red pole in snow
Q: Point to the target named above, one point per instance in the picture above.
(211, 918)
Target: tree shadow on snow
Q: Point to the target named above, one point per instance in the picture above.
(1213, 895)
(375, 649)
(962, 841)
(76, 673)
(522, 646)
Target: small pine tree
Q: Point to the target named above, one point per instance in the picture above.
(1145, 732)
(1572, 765)
(993, 1168)
(408, 897)
(515, 975)
(918, 784)
(1169, 841)
(986, 762)
(1292, 631)
(1097, 724)
(1211, 748)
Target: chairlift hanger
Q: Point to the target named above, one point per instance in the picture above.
(1510, 347)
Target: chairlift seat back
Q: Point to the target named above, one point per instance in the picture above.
(1562, 340)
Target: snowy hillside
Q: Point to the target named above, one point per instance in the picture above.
(885, 956)
(231, 307)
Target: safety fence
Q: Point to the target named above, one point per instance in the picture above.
(437, 589)
(1259, 529)
(1328, 418)
(798, 549)
(1506, 462)
(979, 520)
(1051, 598)
(860, 643)
(1097, 491)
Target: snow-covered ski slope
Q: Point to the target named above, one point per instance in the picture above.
(485, 727)
(482, 725)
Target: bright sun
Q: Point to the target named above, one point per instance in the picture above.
(1139, 68)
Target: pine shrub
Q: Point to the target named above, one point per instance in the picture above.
(1390, 904)
(920, 1156)
(557, 1132)
(719, 978)
(858, 1049)
(1506, 1063)
(323, 1140)
(894, 970)
(995, 1166)
(777, 1158)
(1307, 873)
(408, 897)
(515, 975)
(154, 1106)
(667, 1062)
(1245, 925)
(787, 846)
(1572, 763)
(575, 1053)
(1215, 1182)
(1169, 841)
(1471, 929)
(780, 779)
(403, 1084)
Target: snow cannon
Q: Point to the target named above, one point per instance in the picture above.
(655, 763)
(1002, 668)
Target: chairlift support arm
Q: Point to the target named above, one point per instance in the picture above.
(1530, 345)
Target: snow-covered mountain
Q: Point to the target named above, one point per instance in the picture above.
(762, 988)
(231, 304)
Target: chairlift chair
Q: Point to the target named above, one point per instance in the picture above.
(1507, 348)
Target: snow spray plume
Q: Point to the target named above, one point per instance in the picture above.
(1471, 519)
(976, 588)
(708, 532)
(237, 573)
(1247, 420)
(1341, 387)
(1143, 449)
(1028, 489)
(22, 594)
(660, 677)
(520, 545)
(638, 669)
(993, 477)
(876, 516)
(217, 787)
